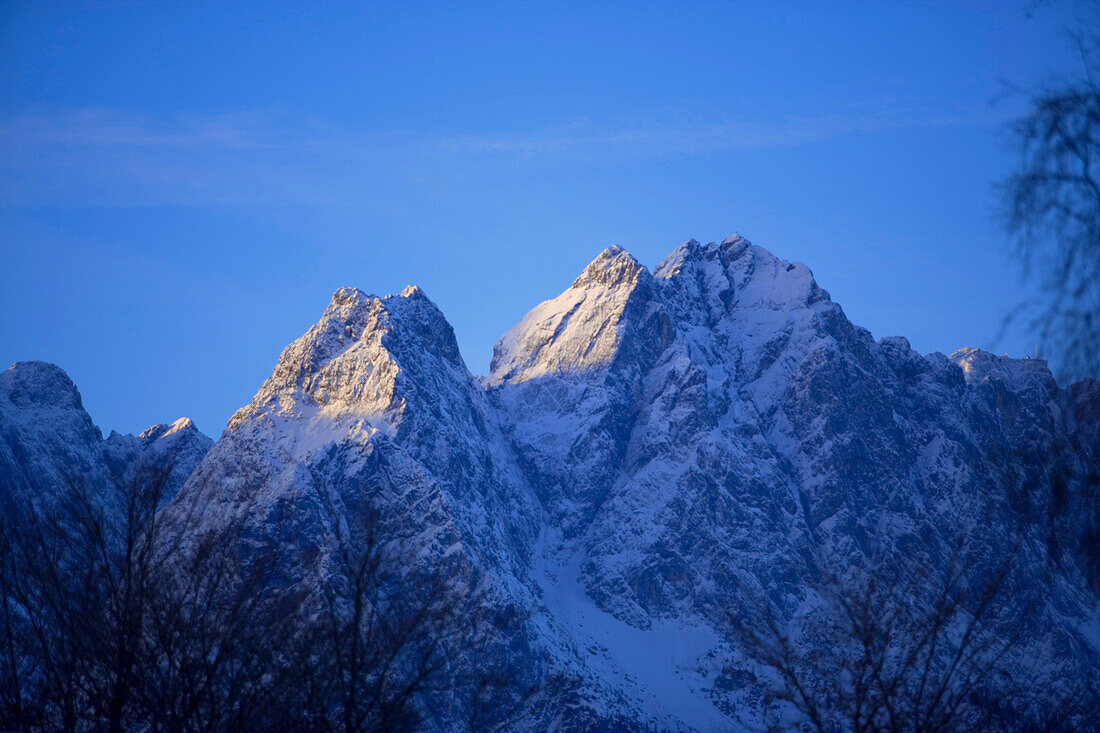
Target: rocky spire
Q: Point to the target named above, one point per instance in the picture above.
(580, 330)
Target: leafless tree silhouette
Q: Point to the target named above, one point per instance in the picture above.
(76, 577)
(106, 629)
(116, 617)
(381, 631)
(896, 649)
(1052, 210)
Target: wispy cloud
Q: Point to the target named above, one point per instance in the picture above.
(103, 157)
(686, 136)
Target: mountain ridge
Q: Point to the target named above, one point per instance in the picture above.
(646, 446)
(48, 440)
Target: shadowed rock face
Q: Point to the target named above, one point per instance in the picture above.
(48, 442)
(38, 385)
(736, 425)
(644, 445)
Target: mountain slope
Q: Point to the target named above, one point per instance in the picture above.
(49, 444)
(648, 449)
(756, 434)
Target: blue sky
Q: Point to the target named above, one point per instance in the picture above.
(183, 186)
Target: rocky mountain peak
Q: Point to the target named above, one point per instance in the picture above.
(580, 330)
(37, 397)
(164, 430)
(741, 273)
(30, 384)
(689, 251)
(612, 267)
(646, 447)
(46, 437)
(350, 362)
(981, 366)
(421, 325)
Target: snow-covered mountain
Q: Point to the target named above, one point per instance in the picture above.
(721, 425)
(49, 444)
(646, 447)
